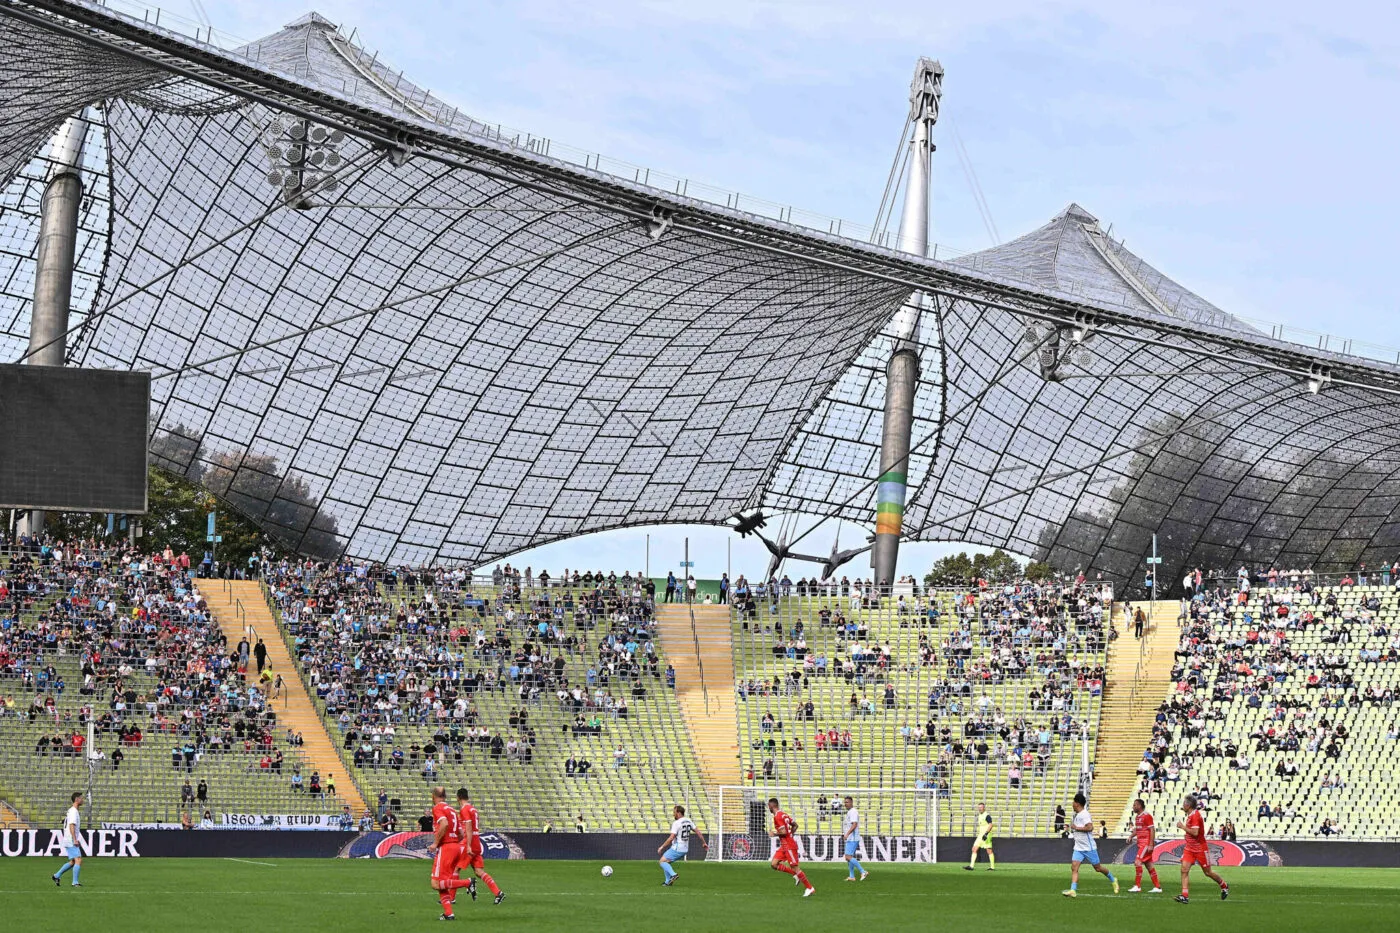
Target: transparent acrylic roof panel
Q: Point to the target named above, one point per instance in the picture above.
(479, 349)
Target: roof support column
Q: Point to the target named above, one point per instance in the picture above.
(59, 210)
(902, 370)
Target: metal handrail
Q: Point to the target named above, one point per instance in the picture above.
(699, 661)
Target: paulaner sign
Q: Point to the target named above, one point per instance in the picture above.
(872, 848)
(48, 843)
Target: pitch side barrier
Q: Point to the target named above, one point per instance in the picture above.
(613, 847)
(177, 843)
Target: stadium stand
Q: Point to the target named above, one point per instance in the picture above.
(1281, 711)
(125, 641)
(548, 702)
(971, 696)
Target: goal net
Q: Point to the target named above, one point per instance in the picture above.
(895, 825)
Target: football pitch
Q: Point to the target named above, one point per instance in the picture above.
(208, 895)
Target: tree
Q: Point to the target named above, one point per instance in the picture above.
(279, 501)
(176, 517)
(952, 570)
(961, 570)
(1038, 571)
(283, 503)
(996, 567)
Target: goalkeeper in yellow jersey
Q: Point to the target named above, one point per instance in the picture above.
(982, 840)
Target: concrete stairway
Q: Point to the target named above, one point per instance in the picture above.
(10, 818)
(1137, 680)
(709, 709)
(239, 608)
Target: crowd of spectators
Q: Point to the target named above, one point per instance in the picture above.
(1242, 646)
(148, 664)
(384, 649)
(990, 636)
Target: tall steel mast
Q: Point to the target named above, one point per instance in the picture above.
(59, 209)
(902, 370)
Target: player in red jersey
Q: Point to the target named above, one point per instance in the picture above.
(472, 856)
(1145, 830)
(786, 859)
(1196, 851)
(445, 851)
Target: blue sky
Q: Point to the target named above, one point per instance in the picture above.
(1246, 149)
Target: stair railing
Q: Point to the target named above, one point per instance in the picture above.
(699, 661)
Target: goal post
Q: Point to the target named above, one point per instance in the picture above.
(896, 825)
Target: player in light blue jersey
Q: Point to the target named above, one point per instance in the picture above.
(850, 836)
(1085, 848)
(72, 827)
(677, 845)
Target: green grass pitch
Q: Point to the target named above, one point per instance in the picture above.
(207, 895)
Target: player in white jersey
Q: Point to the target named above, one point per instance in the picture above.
(72, 828)
(850, 835)
(1081, 828)
(677, 845)
(983, 840)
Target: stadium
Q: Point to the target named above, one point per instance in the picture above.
(299, 359)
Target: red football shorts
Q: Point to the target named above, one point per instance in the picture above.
(445, 861)
(469, 859)
(787, 852)
(1145, 854)
(1189, 858)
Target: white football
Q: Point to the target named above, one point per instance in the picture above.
(607, 871)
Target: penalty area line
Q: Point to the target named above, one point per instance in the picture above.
(248, 861)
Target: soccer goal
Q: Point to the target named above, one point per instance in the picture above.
(895, 825)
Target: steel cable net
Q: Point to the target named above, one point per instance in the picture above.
(473, 350)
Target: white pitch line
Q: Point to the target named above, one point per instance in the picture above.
(248, 861)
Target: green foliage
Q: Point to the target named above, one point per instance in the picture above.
(1038, 571)
(960, 569)
(177, 518)
(280, 501)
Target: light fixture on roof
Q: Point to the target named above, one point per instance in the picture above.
(1318, 378)
(1082, 327)
(660, 221)
(303, 158)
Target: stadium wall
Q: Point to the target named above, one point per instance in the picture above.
(178, 843)
(216, 843)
